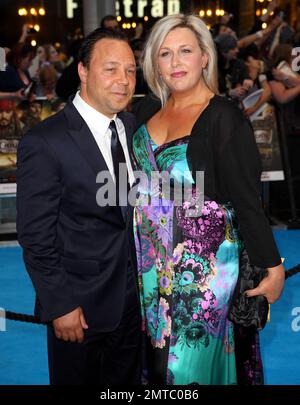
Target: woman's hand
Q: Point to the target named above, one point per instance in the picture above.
(238, 92)
(271, 286)
(247, 84)
(19, 95)
(249, 111)
(278, 75)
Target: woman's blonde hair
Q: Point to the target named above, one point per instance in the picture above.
(157, 36)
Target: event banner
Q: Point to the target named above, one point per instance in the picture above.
(16, 119)
(266, 134)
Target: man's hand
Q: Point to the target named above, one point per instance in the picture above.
(70, 327)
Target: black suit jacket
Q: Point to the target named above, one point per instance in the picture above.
(75, 252)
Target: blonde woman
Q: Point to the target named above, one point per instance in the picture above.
(188, 266)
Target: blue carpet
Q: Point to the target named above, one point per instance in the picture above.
(281, 337)
(23, 350)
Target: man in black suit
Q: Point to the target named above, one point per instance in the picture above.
(80, 255)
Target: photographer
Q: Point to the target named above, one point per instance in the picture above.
(234, 78)
(15, 81)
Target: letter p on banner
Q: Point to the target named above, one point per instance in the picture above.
(2, 59)
(2, 320)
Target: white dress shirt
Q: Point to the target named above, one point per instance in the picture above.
(98, 124)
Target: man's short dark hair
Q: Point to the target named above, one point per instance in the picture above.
(108, 17)
(225, 42)
(88, 43)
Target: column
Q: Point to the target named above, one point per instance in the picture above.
(106, 7)
(94, 11)
(90, 16)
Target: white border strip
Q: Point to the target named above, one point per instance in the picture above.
(272, 176)
(8, 188)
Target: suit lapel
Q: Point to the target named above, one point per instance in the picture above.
(89, 149)
(85, 140)
(130, 127)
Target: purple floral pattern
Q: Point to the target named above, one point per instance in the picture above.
(188, 269)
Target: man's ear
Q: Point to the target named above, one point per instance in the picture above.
(82, 72)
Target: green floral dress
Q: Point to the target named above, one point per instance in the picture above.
(188, 268)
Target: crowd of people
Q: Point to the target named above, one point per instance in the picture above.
(260, 60)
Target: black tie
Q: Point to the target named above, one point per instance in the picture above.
(118, 157)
